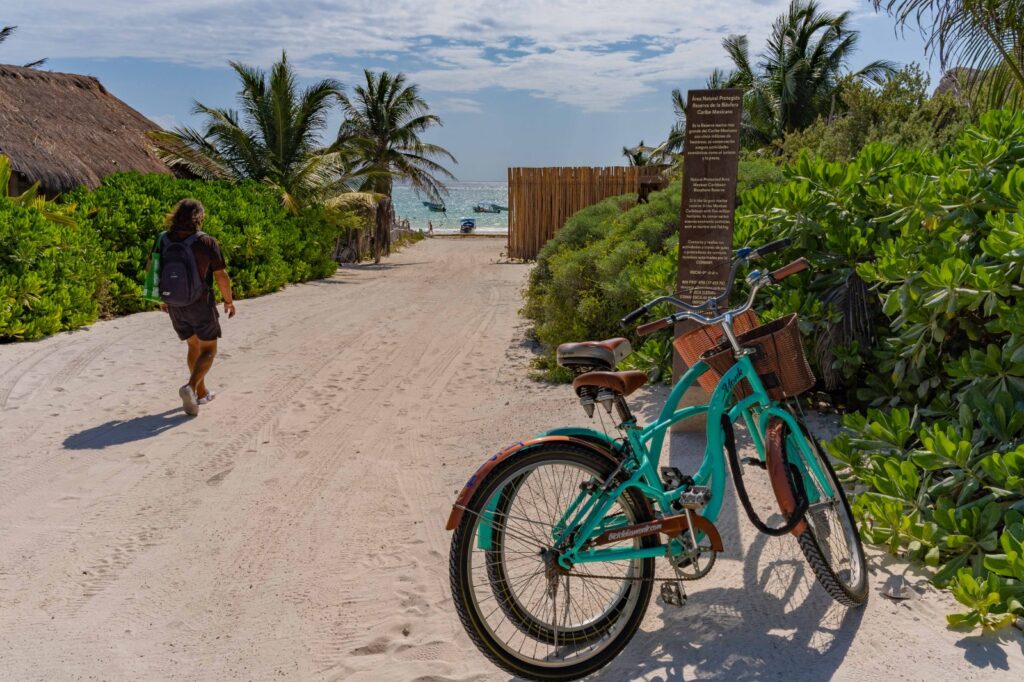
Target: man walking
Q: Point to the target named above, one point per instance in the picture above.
(191, 262)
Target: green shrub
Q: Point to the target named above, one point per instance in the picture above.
(591, 273)
(264, 245)
(50, 274)
(900, 112)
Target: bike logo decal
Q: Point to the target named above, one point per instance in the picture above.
(633, 532)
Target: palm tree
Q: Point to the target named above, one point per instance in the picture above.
(797, 77)
(382, 128)
(673, 144)
(987, 36)
(275, 139)
(640, 155)
(6, 32)
(676, 139)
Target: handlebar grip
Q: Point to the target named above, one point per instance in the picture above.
(651, 327)
(771, 247)
(799, 265)
(633, 316)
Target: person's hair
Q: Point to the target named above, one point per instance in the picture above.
(186, 216)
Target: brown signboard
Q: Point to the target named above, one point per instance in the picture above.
(710, 164)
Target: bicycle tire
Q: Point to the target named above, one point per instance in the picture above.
(848, 586)
(509, 602)
(618, 630)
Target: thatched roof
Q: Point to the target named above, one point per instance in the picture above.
(66, 130)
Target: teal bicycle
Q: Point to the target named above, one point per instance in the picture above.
(552, 556)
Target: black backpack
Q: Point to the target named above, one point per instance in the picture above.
(180, 283)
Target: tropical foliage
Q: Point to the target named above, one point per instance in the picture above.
(640, 155)
(63, 274)
(383, 128)
(274, 138)
(32, 197)
(799, 74)
(986, 36)
(51, 273)
(265, 245)
(899, 111)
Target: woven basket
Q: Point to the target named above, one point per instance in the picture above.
(693, 344)
(778, 359)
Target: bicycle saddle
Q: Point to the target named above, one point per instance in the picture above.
(622, 383)
(602, 355)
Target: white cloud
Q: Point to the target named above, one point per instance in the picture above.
(595, 54)
(457, 104)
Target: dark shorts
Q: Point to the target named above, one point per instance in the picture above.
(198, 319)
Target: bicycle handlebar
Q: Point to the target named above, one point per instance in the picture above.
(694, 312)
(799, 265)
(770, 247)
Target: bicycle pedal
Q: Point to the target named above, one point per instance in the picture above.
(672, 593)
(673, 478)
(694, 498)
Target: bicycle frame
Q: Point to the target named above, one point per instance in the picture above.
(587, 517)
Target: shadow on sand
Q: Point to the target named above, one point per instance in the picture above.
(121, 431)
(380, 266)
(766, 618)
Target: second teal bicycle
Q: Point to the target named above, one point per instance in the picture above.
(552, 558)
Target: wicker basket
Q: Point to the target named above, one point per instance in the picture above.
(693, 344)
(778, 359)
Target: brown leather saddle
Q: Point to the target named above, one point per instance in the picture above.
(593, 364)
(593, 355)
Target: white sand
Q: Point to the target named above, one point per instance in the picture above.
(295, 529)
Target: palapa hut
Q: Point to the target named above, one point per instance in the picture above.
(65, 130)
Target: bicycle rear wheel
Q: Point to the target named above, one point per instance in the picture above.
(830, 542)
(524, 612)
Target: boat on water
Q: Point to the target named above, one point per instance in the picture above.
(467, 225)
(435, 207)
(489, 208)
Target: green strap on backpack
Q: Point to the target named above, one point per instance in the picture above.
(151, 287)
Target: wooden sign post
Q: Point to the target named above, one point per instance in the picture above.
(710, 166)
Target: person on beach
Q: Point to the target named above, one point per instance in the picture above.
(430, 227)
(197, 322)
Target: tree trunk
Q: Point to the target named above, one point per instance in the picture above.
(382, 229)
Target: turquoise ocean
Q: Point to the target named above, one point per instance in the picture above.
(462, 196)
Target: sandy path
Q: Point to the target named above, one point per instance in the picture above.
(295, 529)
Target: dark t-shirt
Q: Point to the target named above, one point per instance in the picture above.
(208, 256)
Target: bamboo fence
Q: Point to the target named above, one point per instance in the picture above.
(542, 199)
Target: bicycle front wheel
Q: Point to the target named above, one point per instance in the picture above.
(830, 542)
(527, 614)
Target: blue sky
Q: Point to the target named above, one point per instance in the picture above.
(517, 83)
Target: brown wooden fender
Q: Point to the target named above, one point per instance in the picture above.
(494, 460)
(775, 459)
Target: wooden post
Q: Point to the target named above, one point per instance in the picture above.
(710, 166)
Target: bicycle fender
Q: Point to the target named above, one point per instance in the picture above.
(494, 460)
(775, 462)
(583, 433)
